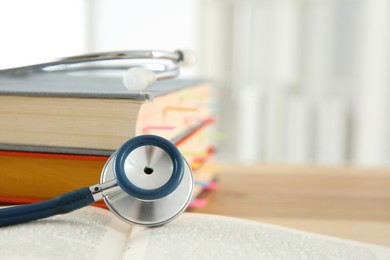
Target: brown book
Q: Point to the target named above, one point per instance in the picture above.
(27, 177)
(97, 116)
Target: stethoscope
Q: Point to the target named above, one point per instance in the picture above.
(145, 182)
(141, 68)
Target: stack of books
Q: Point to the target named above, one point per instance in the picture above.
(56, 135)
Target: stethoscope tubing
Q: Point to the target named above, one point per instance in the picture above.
(62, 204)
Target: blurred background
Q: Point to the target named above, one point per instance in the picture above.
(297, 81)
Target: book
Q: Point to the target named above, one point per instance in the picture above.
(33, 177)
(27, 177)
(94, 114)
(95, 233)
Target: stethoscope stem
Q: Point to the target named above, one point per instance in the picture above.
(167, 74)
(62, 64)
(140, 69)
(98, 191)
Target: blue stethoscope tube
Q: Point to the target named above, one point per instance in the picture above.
(85, 196)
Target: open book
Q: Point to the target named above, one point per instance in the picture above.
(94, 233)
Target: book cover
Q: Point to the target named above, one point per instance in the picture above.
(57, 84)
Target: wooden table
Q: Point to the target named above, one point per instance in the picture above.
(348, 202)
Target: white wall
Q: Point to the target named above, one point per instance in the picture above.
(373, 110)
(309, 81)
(34, 31)
(143, 25)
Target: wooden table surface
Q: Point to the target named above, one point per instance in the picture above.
(346, 202)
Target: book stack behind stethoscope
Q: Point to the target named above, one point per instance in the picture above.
(64, 127)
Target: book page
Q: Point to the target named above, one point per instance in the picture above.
(201, 236)
(88, 233)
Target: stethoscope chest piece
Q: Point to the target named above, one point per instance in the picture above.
(145, 182)
(157, 181)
